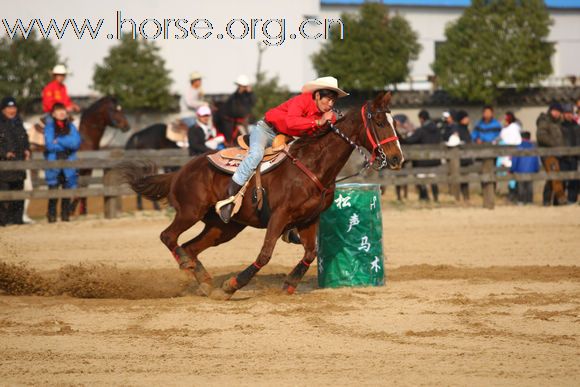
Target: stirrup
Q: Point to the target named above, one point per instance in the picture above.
(236, 199)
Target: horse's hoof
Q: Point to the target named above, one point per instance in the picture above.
(204, 289)
(220, 295)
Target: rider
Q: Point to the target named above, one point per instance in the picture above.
(55, 92)
(238, 107)
(191, 100)
(302, 115)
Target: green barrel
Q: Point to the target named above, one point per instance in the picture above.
(350, 243)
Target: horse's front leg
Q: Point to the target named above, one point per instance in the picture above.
(308, 239)
(229, 287)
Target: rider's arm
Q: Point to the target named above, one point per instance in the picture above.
(47, 99)
(297, 124)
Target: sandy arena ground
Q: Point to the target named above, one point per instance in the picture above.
(473, 297)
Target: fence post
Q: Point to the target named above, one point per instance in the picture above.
(488, 187)
(110, 201)
(454, 173)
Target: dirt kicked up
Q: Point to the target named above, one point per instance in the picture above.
(472, 297)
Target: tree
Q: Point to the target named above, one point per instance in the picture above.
(375, 52)
(25, 65)
(493, 44)
(268, 93)
(135, 73)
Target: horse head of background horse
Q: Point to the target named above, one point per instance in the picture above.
(380, 137)
(114, 114)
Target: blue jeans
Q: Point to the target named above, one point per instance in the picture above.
(261, 137)
(189, 121)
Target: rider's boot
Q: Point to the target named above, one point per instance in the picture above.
(225, 212)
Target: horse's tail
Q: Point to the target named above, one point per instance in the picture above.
(144, 180)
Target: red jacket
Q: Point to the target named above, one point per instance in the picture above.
(295, 117)
(52, 93)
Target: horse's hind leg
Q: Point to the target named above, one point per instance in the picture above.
(214, 234)
(308, 239)
(170, 235)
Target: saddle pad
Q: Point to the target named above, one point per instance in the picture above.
(229, 159)
(36, 135)
(175, 133)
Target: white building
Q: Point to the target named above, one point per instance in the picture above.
(221, 60)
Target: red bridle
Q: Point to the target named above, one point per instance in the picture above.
(371, 133)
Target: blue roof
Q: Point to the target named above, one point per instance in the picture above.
(449, 3)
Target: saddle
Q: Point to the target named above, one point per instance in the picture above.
(36, 134)
(177, 132)
(228, 160)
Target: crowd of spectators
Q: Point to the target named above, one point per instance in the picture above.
(558, 126)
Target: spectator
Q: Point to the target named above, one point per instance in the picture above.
(549, 134)
(459, 135)
(487, 129)
(447, 122)
(62, 140)
(237, 109)
(525, 164)
(55, 92)
(191, 100)
(13, 147)
(202, 136)
(571, 135)
(509, 135)
(511, 132)
(577, 115)
(427, 133)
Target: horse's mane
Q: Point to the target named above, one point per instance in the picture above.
(95, 105)
(306, 141)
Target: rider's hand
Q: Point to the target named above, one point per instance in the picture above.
(328, 116)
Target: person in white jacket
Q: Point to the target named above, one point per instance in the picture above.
(511, 134)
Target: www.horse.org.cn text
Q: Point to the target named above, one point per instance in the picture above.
(272, 31)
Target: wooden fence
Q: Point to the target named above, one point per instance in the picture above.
(483, 172)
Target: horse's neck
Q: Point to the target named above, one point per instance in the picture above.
(92, 128)
(332, 153)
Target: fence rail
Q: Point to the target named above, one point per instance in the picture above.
(451, 172)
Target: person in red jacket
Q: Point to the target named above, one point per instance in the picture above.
(55, 92)
(302, 115)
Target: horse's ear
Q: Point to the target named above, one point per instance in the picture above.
(378, 101)
(387, 98)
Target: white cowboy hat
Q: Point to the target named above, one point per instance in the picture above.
(59, 69)
(243, 80)
(329, 83)
(195, 75)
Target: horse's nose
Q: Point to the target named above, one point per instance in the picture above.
(394, 161)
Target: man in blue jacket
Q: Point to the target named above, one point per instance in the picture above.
(62, 140)
(487, 129)
(525, 164)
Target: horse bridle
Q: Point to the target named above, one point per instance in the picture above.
(367, 115)
(111, 119)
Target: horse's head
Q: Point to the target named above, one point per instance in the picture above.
(380, 136)
(115, 116)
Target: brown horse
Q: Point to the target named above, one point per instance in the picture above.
(298, 191)
(94, 120)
